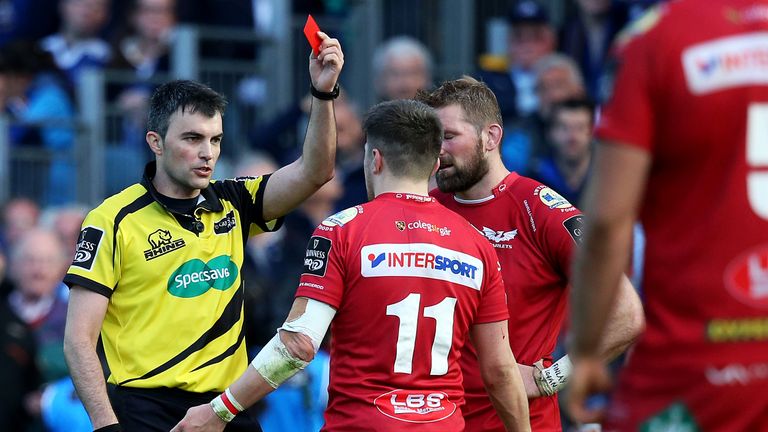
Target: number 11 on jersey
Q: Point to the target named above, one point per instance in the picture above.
(407, 310)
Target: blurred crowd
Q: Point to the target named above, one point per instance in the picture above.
(549, 85)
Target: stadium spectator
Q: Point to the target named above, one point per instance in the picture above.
(78, 45)
(38, 263)
(401, 66)
(557, 79)
(379, 363)
(570, 136)
(36, 99)
(682, 146)
(142, 48)
(27, 19)
(351, 152)
(19, 216)
(172, 247)
(534, 231)
(587, 35)
(18, 371)
(531, 37)
(65, 221)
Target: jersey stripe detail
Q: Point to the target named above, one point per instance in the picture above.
(258, 208)
(73, 279)
(138, 204)
(229, 318)
(228, 352)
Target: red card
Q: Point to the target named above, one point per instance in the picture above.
(310, 31)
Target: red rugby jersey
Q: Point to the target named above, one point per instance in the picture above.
(692, 91)
(533, 230)
(408, 278)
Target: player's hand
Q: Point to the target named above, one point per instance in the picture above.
(325, 68)
(200, 419)
(589, 376)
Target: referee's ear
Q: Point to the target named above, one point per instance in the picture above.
(155, 142)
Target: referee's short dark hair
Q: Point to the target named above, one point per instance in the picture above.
(408, 134)
(188, 96)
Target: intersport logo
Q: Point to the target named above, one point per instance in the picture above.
(421, 260)
(195, 277)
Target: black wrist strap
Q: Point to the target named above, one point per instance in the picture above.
(110, 428)
(333, 94)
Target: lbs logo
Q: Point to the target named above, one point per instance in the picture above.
(415, 406)
(196, 277)
(747, 277)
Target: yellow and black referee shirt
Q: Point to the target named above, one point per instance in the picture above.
(175, 314)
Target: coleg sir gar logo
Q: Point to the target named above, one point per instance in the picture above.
(196, 277)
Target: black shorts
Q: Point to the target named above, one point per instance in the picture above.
(160, 409)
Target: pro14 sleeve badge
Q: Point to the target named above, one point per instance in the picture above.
(87, 246)
(575, 227)
(316, 258)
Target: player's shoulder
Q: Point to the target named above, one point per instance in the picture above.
(129, 199)
(348, 217)
(226, 188)
(651, 19)
(542, 201)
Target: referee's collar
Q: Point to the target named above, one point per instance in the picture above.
(210, 200)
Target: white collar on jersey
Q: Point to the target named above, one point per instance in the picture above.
(473, 201)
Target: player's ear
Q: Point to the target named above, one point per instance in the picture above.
(155, 142)
(435, 168)
(494, 132)
(377, 162)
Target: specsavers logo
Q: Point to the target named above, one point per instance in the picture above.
(195, 277)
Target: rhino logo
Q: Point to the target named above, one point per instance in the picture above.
(161, 242)
(159, 238)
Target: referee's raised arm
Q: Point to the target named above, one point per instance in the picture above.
(294, 183)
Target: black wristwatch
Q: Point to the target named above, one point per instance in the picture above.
(331, 95)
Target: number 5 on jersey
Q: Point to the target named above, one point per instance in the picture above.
(757, 158)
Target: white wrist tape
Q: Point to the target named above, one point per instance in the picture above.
(552, 379)
(313, 322)
(274, 362)
(226, 406)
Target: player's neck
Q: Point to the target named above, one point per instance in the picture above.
(401, 185)
(484, 188)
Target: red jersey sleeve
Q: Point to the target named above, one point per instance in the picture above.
(560, 228)
(628, 115)
(323, 276)
(493, 299)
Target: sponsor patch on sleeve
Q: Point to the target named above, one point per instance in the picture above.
(316, 258)
(341, 218)
(575, 227)
(87, 246)
(551, 199)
